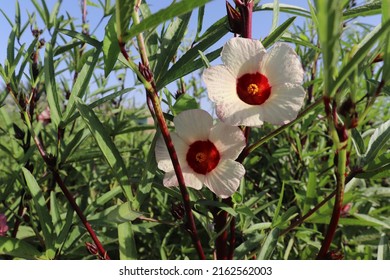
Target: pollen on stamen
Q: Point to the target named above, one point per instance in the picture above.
(253, 89)
(200, 157)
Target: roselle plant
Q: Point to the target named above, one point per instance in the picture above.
(291, 162)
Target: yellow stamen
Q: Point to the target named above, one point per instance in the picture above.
(253, 89)
(200, 157)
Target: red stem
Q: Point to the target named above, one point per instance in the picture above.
(154, 100)
(70, 198)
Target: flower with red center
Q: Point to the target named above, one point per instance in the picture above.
(255, 86)
(206, 153)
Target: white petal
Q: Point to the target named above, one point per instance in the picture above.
(229, 140)
(242, 55)
(190, 178)
(220, 83)
(239, 113)
(193, 125)
(224, 180)
(162, 156)
(281, 65)
(284, 104)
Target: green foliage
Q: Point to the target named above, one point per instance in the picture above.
(101, 143)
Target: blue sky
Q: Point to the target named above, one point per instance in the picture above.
(215, 10)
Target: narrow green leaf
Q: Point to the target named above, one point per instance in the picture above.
(377, 141)
(82, 37)
(123, 12)
(386, 42)
(360, 55)
(358, 142)
(183, 103)
(18, 248)
(290, 9)
(188, 63)
(82, 83)
(44, 13)
(170, 43)
(111, 47)
(116, 214)
(55, 213)
(99, 102)
(275, 15)
(368, 9)
(107, 146)
(329, 30)
(54, 13)
(64, 232)
(277, 32)
(127, 246)
(51, 87)
(200, 21)
(275, 219)
(383, 248)
(42, 212)
(11, 46)
(217, 204)
(269, 245)
(17, 19)
(174, 10)
(311, 193)
(257, 227)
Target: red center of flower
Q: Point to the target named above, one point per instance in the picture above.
(202, 156)
(253, 89)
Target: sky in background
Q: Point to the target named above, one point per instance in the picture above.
(214, 10)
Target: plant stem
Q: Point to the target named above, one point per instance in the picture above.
(153, 98)
(342, 159)
(70, 198)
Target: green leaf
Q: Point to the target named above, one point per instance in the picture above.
(174, 10)
(370, 40)
(82, 37)
(55, 213)
(217, 204)
(275, 219)
(269, 245)
(18, 248)
(368, 9)
(358, 142)
(51, 87)
(329, 31)
(99, 102)
(386, 42)
(123, 12)
(82, 83)
(42, 212)
(183, 103)
(188, 62)
(275, 15)
(383, 248)
(116, 214)
(170, 43)
(111, 47)
(107, 146)
(257, 227)
(127, 246)
(291, 9)
(377, 141)
(311, 192)
(277, 32)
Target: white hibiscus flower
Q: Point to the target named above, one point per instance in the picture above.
(206, 153)
(255, 86)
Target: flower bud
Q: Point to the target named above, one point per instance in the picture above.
(234, 19)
